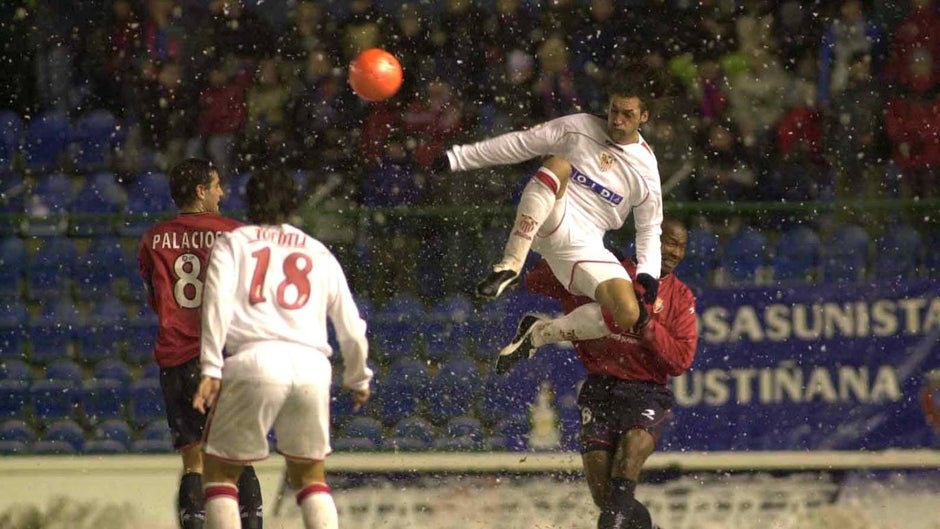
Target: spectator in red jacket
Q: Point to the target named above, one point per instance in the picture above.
(625, 400)
(222, 115)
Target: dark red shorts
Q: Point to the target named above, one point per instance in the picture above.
(610, 407)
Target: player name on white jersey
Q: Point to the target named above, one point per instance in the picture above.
(185, 240)
(280, 238)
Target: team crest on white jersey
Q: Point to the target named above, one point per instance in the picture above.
(606, 161)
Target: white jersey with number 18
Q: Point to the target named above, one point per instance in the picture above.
(271, 286)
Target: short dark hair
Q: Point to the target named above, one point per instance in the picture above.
(639, 79)
(271, 196)
(186, 176)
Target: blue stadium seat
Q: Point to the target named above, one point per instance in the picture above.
(50, 268)
(141, 335)
(156, 430)
(53, 399)
(13, 192)
(455, 308)
(50, 448)
(12, 448)
(14, 398)
(94, 210)
(14, 317)
(353, 444)
(455, 388)
(560, 365)
(115, 370)
(148, 198)
(400, 394)
(94, 136)
(151, 446)
(65, 370)
(150, 370)
(464, 426)
(103, 399)
(17, 430)
(11, 133)
(115, 430)
(103, 263)
(899, 254)
(65, 431)
(393, 327)
(364, 428)
(48, 206)
(514, 431)
(845, 256)
(104, 334)
(50, 334)
(416, 429)
(797, 255)
(104, 447)
(146, 402)
(445, 340)
(744, 255)
(392, 340)
(12, 266)
(16, 370)
(498, 398)
(46, 140)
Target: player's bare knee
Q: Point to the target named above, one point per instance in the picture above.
(302, 473)
(626, 316)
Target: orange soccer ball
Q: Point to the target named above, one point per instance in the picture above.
(375, 75)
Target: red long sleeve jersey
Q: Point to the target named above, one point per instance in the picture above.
(664, 348)
(173, 258)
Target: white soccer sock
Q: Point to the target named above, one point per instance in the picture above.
(317, 506)
(222, 506)
(538, 199)
(583, 323)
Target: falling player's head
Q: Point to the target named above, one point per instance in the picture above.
(630, 90)
(272, 196)
(195, 186)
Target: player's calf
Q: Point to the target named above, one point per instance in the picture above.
(622, 510)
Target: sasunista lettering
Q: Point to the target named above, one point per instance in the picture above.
(800, 321)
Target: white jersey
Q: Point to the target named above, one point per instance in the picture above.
(608, 180)
(270, 285)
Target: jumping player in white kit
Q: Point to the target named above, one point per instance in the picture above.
(600, 171)
(269, 290)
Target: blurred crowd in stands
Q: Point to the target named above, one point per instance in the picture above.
(775, 100)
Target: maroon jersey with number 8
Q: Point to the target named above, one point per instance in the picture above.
(173, 257)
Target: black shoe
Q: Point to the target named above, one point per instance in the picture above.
(494, 284)
(521, 345)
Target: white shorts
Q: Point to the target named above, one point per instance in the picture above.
(573, 247)
(272, 386)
